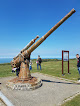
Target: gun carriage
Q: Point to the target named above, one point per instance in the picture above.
(22, 59)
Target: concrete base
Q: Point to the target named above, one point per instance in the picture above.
(32, 84)
(51, 93)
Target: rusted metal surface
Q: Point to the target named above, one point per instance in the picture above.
(22, 59)
(24, 71)
(26, 53)
(30, 84)
(17, 80)
(30, 43)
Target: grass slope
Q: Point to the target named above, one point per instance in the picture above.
(74, 102)
(5, 70)
(51, 67)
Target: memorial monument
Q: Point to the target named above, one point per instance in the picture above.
(25, 81)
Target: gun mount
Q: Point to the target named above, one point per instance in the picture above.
(22, 60)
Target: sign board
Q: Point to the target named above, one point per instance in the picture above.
(65, 57)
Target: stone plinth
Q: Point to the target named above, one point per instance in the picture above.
(31, 84)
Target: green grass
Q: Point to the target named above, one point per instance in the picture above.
(51, 67)
(74, 102)
(5, 70)
(54, 68)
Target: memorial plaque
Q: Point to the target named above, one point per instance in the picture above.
(65, 56)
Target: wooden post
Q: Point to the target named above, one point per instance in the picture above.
(68, 62)
(62, 62)
(65, 60)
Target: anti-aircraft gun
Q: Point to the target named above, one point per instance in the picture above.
(22, 60)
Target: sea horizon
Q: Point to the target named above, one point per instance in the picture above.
(9, 59)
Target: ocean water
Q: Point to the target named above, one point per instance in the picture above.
(5, 60)
(8, 60)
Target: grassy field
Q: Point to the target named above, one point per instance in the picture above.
(50, 67)
(74, 102)
(5, 70)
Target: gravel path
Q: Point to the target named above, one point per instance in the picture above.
(52, 92)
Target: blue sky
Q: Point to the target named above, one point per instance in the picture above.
(22, 20)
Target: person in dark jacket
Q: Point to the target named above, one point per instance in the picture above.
(17, 71)
(39, 61)
(78, 62)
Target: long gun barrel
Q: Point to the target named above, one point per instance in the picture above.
(50, 31)
(27, 46)
(27, 53)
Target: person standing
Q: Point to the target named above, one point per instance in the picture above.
(13, 70)
(17, 71)
(39, 61)
(78, 63)
(30, 65)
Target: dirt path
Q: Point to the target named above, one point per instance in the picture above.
(52, 92)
